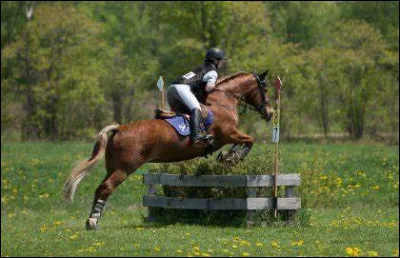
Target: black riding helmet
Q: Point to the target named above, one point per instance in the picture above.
(215, 54)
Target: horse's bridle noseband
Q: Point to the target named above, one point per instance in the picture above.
(262, 85)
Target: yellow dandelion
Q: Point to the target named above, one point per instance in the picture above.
(349, 251)
(157, 249)
(43, 228)
(234, 246)
(205, 255)
(74, 236)
(58, 223)
(372, 253)
(395, 252)
(355, 252)
(244, 243)
(44, 196)
(245, 254)
(375, 187)
(99, 244)
(275, 244)
(196, 249)
(197, 253)
(259, 244)
(179, 251)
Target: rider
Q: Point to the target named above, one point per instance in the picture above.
(201, 80)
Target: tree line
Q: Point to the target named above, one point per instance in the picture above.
(70, 68)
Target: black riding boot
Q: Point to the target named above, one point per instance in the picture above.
(194, 123)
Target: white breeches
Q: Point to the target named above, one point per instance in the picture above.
(182, 93)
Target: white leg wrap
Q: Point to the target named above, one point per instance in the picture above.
(98, 209)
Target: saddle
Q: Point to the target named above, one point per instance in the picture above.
(164, 114)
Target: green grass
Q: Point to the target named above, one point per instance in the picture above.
(349, 191)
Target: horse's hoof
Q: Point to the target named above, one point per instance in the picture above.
(221, 157)
(91, 224)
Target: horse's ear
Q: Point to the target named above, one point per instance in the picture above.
(263, 75)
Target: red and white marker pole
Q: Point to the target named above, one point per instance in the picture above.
(275, 139)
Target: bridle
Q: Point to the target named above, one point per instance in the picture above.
(261, 86)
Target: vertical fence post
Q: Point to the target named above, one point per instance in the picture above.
(151, 192)
(289, 215)
(251, 193)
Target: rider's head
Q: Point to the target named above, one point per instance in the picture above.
(215, 56)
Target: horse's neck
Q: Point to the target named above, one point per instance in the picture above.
(229, 92)
(239, 86)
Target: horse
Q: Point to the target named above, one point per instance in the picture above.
(155, 141)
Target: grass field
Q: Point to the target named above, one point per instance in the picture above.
(351, 193)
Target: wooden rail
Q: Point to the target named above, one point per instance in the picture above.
(289, 203)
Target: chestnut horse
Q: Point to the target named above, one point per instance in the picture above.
(154, 140)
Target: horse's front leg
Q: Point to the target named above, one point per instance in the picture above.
(230, 156)
(241, 148)
(245, 140)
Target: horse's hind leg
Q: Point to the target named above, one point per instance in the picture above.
(103, 191)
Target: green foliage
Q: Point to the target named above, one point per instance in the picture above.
(362, 48)
(13, 19)
(54, 72)
(382, 15)
(76, 66)
(308, 23)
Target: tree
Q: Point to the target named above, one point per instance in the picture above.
(305, 22)
(382, 15)
(132, 47)
(54, 69)
(362, 48)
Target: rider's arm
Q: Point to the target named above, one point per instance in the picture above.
(210, 78)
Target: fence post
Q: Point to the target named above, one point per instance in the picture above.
(251, 193)
(289, 215)
(150, 210)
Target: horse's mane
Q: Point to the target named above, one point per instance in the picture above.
(229, 77)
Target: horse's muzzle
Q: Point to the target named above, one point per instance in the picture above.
(269, 113)
(268, 117)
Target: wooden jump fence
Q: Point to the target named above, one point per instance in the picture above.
(289, 203)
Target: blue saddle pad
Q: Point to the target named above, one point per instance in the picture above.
(181, 123)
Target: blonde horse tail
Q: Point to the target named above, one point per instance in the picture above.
(81, 170)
